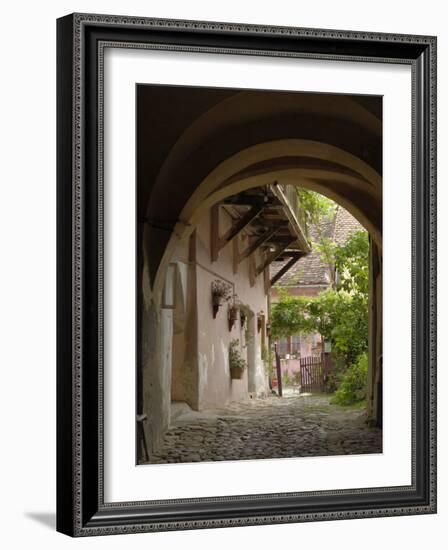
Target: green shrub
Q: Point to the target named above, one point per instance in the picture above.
(353, 386)
(337, 371)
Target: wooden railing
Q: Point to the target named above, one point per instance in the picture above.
(290, 193)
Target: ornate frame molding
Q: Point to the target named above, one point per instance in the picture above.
(81, 42)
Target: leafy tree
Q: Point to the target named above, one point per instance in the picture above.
(340, 317)
(319, 209)
(352, 263)
(315, 205)
(339, 314)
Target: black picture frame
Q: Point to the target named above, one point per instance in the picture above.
(81, 510)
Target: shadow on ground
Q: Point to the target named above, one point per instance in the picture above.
(48, 519)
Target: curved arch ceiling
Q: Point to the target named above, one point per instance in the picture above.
(329, 143)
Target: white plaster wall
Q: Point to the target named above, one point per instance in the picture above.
(164, 372)
(216, 388)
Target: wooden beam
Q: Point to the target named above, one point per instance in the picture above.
(295, 257)
(214, 232)
(235, 255)
(267, 223)
(192, 247)
(295, 224)
(240, 224)
(257, 243)
(252, 271)
(274, 254)
(278, 367)
(239, 200)
(267, 282)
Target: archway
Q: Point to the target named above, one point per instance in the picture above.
(240, 144)
(337, 174)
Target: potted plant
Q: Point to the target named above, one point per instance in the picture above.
(236, 362)
(221, 292)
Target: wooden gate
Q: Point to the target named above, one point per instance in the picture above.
(312, 374)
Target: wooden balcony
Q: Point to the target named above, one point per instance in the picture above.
(271, 217)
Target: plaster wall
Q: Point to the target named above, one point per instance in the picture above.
(215, 386)
(184, 341)
(185, 350)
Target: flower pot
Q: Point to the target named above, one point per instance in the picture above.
(236, 373)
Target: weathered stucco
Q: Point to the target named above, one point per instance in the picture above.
(185, 350)
(216, 388)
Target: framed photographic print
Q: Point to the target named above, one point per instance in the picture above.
(246, 274)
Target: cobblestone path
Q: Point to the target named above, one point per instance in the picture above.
(291, 426)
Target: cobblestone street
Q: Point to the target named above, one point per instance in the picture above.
(291, 426)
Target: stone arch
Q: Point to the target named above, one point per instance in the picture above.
(324, 168)
(330, 144)
(224, 123)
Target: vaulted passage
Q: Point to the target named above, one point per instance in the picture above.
(211, 165)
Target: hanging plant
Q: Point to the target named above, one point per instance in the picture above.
(221, 292)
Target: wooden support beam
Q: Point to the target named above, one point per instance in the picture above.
(241, 200)
(240, 224)
(267, 282)
(252, 271)
(295, 224)
(214, 232)
(257, 243)
(235, 255)
(278, 367)
(295, 257)
(274, 254)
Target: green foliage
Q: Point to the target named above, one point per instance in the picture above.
(352, 263)
(267, 356)
(353, 386)
(315, 205)
(340, 317)
(336, 373)
(235, 359)
(349, 259)
(318, 209)
(264, 353)
(339, 314)
(286, 379)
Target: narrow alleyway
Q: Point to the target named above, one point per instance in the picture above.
(291, 426)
